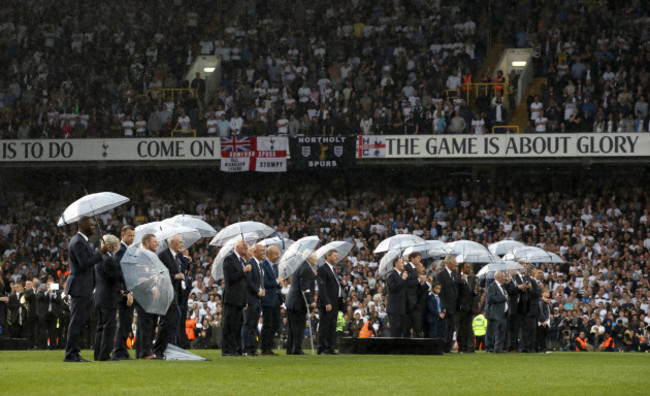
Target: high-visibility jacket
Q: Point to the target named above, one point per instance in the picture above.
(608, 343)
(467, 82)
(130, 342)
(581, 345)
(365, 331)
(189, 328)
(340, 322)
(500, 81)
(479, 325)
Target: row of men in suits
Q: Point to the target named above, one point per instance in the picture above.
(513, 311)
(252, 287)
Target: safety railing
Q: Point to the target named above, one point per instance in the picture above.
(514, 128)
(184, 132)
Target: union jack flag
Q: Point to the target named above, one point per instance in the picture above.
(236, 144)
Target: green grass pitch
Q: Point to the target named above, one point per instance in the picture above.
(44, 373)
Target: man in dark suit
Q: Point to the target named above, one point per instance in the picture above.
(271, 301)
(17, 312)
(183, 342)
(234, 299)
(414, 312)
(255, 291)
(80, 284)
(31, 320)
(435, 312)
(533, 279)
(396, 304)
(47, 306)
(496, 313)
(125, 302)
(448, 279)
(145, 321)
(302, 287)
(168, 328)
(329, 296)
(518, 294)
(107, 293)
(467, 290)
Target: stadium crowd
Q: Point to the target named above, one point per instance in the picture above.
(599, 227)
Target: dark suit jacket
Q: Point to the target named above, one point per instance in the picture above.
(412, 285)
(466, 294)
(254, 282)
(43, 304)
(495, 303)
(13, 305)
(396, 299)
(433, 314)
(31, 303)
(118, 257)
(534, 297)
(107, 288)
(328, 287)
(302, 280)
(169, 260)
(449, 292)
(273, 295)
(234, 289)
(82, 259)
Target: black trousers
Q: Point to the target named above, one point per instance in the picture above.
(167, 329)
(249, 327)
(396, 324)
(327, 330)
(47, 329)
(29, 328)
(449, 327)
(144, 336)
(296, 326)
(529, 334)
(79, 314)
(233, 319)
(106, 324)
(270, 326)
(122, 330)
(542, 331)
(465, 335)
(515, 342)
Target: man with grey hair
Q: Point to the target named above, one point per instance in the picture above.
(234, 298)
(271, 301)
(255, 286)
(168, 328)
(496, 312)
(329, 300)
(448, 279)
(107, 295)
(302, 288)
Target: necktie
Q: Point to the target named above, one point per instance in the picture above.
(20, 310)
(49, 307)
(275, 269)
(337, 279)
(438, 303)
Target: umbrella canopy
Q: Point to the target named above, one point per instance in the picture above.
(281, 243)
(148, 279)
(205, 229)
(533, 254)
(342, 247)
(471, 252)
(489, 269)
(217, 266)
(239, 229)
(502, 247)
(190, 235)
(386, 262)
(175, 353)
(144, 229)
(296, 254)
(400, 241)
(91, 205)
(429, 249)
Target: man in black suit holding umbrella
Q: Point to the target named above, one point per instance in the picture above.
(80, 283)
(302, 287)
(234, 299)
(329, 299)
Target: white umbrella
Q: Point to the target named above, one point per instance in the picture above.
(190, 236)
(400, 241)
(195, 222)
(533, 254)
(281, 243)
(239, 229)
(429, 249)
(144, 229)
(217, 265)
(148, 279)
(502, 247)
(386, 262)
(471, 252)
(489, 269)
(293, 257)
(91, 205)
(342, 247)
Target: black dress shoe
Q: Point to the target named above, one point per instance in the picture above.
(76, 359)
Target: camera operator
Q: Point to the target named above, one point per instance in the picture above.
(630, 341)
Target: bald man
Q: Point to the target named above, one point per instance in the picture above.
(271, 301)
(234, 299)
(168, 328)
